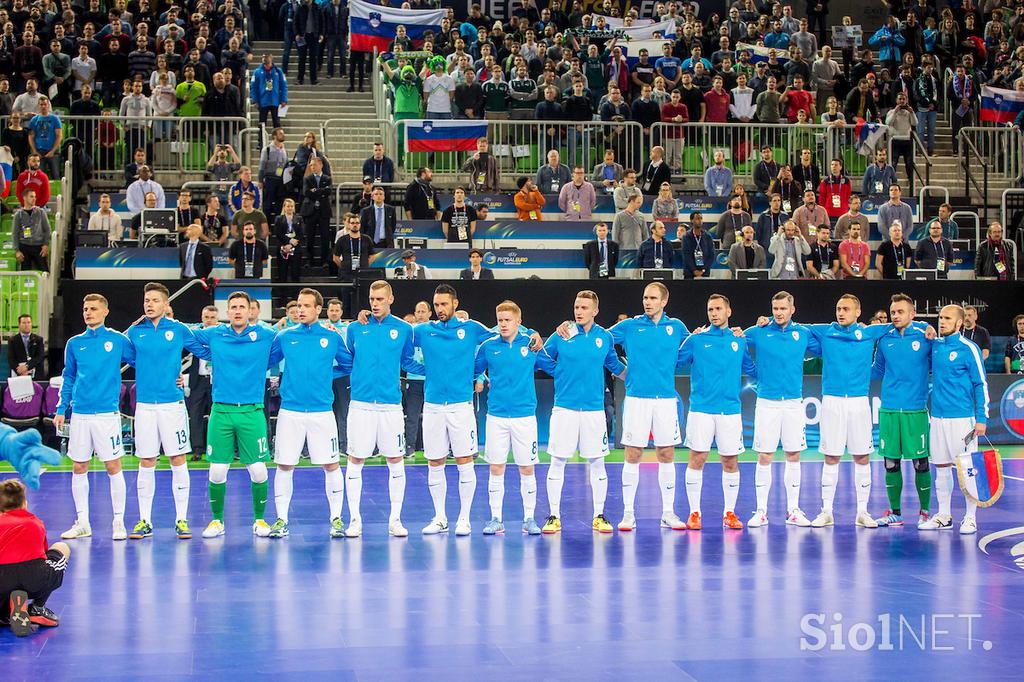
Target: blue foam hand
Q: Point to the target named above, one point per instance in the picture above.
(26, 453)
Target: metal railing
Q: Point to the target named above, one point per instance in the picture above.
(341, 209)
(1002, 147)
(969, 154)
(348, 142)
(928, 189)
(974, 218)
(21, 293)
(919, 154)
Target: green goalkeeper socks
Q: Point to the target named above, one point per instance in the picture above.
(894, 489)
(217, 492)
(923, 481)
(259, 499)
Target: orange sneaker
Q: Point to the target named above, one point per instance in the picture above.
(693, 523)
(730, 521)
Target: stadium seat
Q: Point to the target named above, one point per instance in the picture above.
(25, 413)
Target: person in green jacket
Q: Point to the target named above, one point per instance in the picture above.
(190, 94)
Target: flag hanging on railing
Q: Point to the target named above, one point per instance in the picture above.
(999, 105)
(868, 136)
(667, 29)
(442, 136)
(7, 167)
(374, 27)
(759, 53)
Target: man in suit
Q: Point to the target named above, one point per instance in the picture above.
(194, 256)
(316, 210)
(26, 351)
(746, 254)
(378, 220)
(655, 251)
(601, 255)
(475, 270)
(995, 256)
(199, 396)
(309, 33)
(352, 251)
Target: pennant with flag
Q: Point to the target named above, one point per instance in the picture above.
(667, 29)
(653, 47)
(373, 27)
(7, 166)
(443, 136)
(981, 476)
(999, 105)
(759, 53)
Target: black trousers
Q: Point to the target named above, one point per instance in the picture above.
(309, 53)
(34, 259)
(342, 395)
(198, 404)
(356, 63)
(318, 227)
(413, 414)
(39, 577)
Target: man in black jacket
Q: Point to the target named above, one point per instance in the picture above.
(353, 249)
(421, 197)
(26, 351)
(475, 270)
(601, 255)
(335, 32)
(199, 397)
(309, 34)
(316, 210)
(194, 256)
(656, 172)
(378, 221)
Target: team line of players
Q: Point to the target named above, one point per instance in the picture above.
(455, 351)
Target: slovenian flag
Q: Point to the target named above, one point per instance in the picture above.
(999, 105)
(981, 476)
(759, 53)
(443, 136)
(869, 135)
(7, 166)
(373, 27)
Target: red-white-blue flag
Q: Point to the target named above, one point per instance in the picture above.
(999, 105)
(981, 476)
(373, 27)
(443, 136)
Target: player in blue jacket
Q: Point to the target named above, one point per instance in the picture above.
(511, 414)
(719, 360)
(959, 407)
(577, 418)
(92, 390)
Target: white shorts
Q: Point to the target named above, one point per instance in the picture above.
(570, 430)
(518, 434)
(95, 433)
(369, 429)
(845, 425)
(946, 438)
(725, 430)
(161, 425)
(644, 417)
(449, 428)
(318, 430)
(778, 421)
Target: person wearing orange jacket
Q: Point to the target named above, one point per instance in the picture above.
(529, 201)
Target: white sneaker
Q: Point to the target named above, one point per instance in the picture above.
(463, 527)
(120, 532)
(798, 518)
(77, 530)
(261, 529)
(969, 526)
(823, 519)
(436, 526)
(355, 528)
(864, 520)
(937, 522)
(628, 522)
(214, 530)
(397, 530)
(669, 520)
(760, 518)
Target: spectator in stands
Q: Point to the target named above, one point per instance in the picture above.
(379, 167)
(56, 71)
(601, 255)
(928, 94)
(697, 248)
(244, 185)
(768, 107)
(852, 217)
(665, 206)
(458, 222)
(30, 234)
(353, 249)
(221, 168)
(823, 262)
(975, 332)
(365, 196)
(769, 222)
(496, 95)
(411, 269)
(190, 94)
(135, 111)
(766, 171)
(309, 32)
(718, 178)
(608, 174)
(789, 248)
(83, 69)
(995, 256)
(806, 173)
(135, 226)
(935, 252)
(421, 197)
(378, 221)
(629, 226)
(746, 253)
(317, 195)
(15, 138)
(787, 188)
(1013, 359)
(795, 99)
(273, 160)
(825, 73)
(194, 256)
(834, 191)
(223, 100)
(215, 225)
(731, 222)
(528, 200)
(292, 238)
(164, 99)
(902, 122)
(483, 169)
(860, 104)
(106, 220)
(716, 102)
(185, 214)
(655, 251)
(439, 89)
(268, 90)
(895, 209)
(26, 352)
(889, 41)
(656, 172)
(645, 110)
(475, 270)
(469, 97)
(854, 254)
(810, 216)
(894, 254)
(577, 198)
(674, 111)
(45, 133)
(879, 176)
(249, 214)
(248, 255)
(553, 175)
(947, 226)
(34, 179)
(28, 101)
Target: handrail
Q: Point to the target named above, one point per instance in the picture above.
(925, 190)
(977, 223)
(353, 185)
(968, 149)
(918, 148)
(1003, 218)
(188, 285)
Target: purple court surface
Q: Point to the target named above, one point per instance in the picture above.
(776, 603)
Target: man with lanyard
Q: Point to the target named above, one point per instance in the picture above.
(893, 255)
(854, 254)
(732, 222)
(656, 173)
(903, 361)
(789, 248)
(577, 199)
(273, 160)
(974, 332)
(879, 176)
(655, 252)
(935, 252)
(577, 418)
(160, 415)
(240, 355)
(769, 222)
(824, 260)
(852, 217)
(834, 191)
(251, 252)
(306, 416)
(458, 222)
(379, 167)
(766, 170)
(553, 175)
(1013, 360)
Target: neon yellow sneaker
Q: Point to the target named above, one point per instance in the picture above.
(182, 529)
(552, 525)
(601, 524)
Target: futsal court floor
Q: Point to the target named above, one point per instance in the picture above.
(775, 603)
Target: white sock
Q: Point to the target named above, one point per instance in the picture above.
(694, 482)
(556, 477)
(630, 479)
(762, 485)
(944, 489)
(528, 491)
(438, 485)
(829, 481)
(283, 492)
(598, 484)
(181, 483)
(80, 494)
(334, 484)
(972, 510)
(792, 482)
(146, 485)
(667, 482)
(496, 494)
(467, 488)
(354, 489)
(118, 494)
(731, 489)
(396, 487)
(862, 479)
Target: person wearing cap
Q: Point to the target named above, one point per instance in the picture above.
(475, 269)
(411, 269)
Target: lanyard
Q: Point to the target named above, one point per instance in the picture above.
(353, 244)
(832, 185)
(245, 253)
(940, 249)
(659, 250)
(378, 170)
(897, 251)
(824, 257)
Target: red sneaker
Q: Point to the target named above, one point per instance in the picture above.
(693, 523)
(730, 521)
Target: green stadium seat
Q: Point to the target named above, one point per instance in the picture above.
(55, 188)
(693, 161)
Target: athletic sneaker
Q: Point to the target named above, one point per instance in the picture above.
(731, 521)
(40, 615)
(552, 525)
(494, 527)
(78, 530)
(672, 521)
(530, 526)
(693, 522)
(798, 518)
(182, 529)
(824, 518)
(261, 529)
(890, 519)
(214, 530)
(119, 531)
(21, 625)
(969, 526)
(337, 528)
(937, 522)
(922, 518)
(355, 528)
(759, 519)
(628, 522)
(436, 526)
(143, 529)
(279, 529)
(601, 524)
(864, 520)
(396, 529)
(463, 528)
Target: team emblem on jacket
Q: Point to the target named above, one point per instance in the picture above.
(952, 356)
(796, 336)
(394, 334)
(858, 334)
(524, 350)
(668, 330)
(323, 343)
(735, 346)
(598, 342)
(108, 346)
(461, 333)
(916, 345)
(169, 335)
(252, 336)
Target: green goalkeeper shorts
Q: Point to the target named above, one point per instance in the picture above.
(237, 426)
(903, 435)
